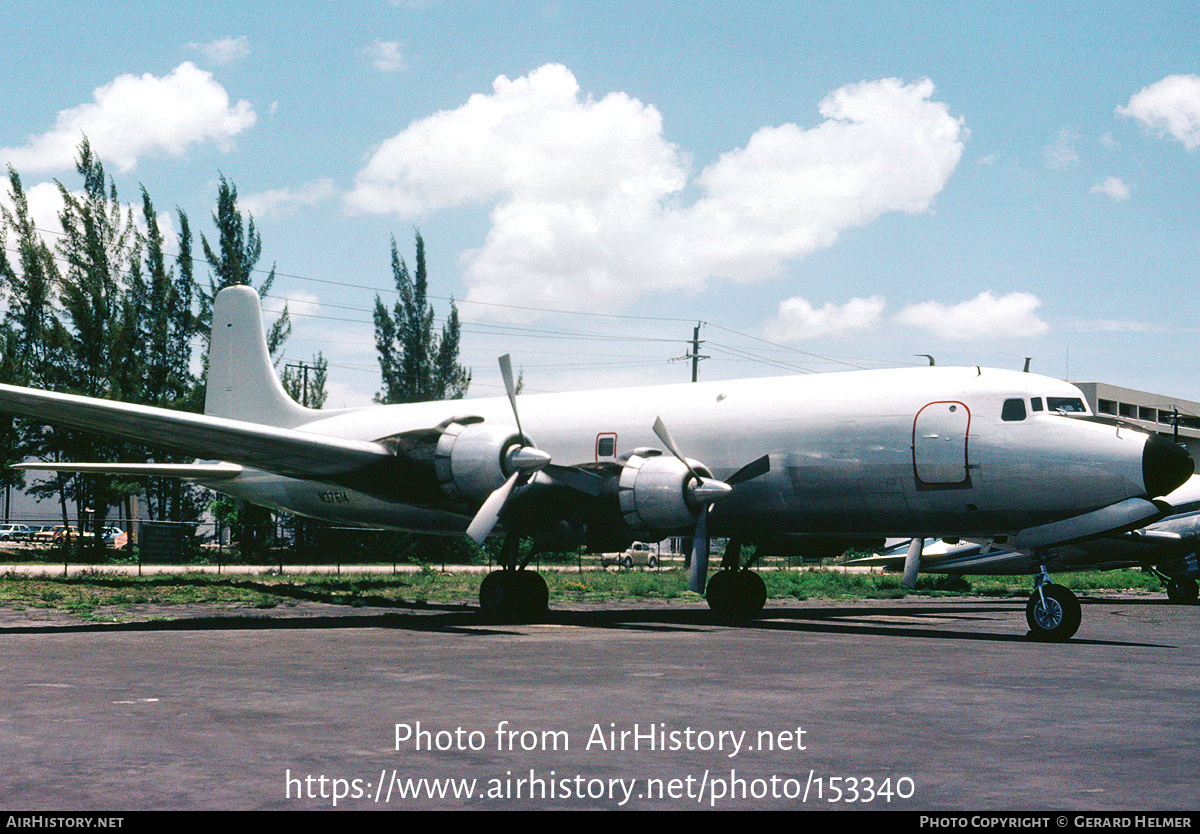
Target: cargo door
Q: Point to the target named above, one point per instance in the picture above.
(940, 443)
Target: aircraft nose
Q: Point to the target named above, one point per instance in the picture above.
(1165, 465)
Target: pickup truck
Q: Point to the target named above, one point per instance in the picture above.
(638, 553)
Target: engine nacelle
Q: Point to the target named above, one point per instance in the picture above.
(653, 493)
(472, 461)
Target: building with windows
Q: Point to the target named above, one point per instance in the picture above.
(1171, 417)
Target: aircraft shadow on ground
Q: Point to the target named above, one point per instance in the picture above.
(466, 620)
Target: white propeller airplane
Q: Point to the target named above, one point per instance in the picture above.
(840, 457)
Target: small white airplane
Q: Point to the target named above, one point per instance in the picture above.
(1167, 547)
(846, 457)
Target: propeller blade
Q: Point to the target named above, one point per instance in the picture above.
(698, 576)
(660, 428)
(751, 470)
(912, 562)
(489, 514)
(511, 388)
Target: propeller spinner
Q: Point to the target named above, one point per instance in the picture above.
(704, 492)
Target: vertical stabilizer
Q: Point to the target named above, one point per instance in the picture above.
(242, 384)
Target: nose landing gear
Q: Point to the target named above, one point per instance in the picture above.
(1053, 612)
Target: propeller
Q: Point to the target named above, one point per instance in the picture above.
(912, 562)
(526, 461)
(704, 492)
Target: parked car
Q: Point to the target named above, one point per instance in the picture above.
(115, 537)
(58, 532)
(638, 553)
(15, 532)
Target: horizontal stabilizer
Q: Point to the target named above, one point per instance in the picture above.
(187, 471)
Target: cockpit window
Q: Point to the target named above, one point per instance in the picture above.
(1013, 410)
(1037, 403)
(1071, 405)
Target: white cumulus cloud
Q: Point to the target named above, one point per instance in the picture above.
(1171, 105)
(385, 56)
(134, 116)
(225, 50)
(585, 192)
(987, 316)
(281, 201)
(1114, 188)
(1062, 153)
(798, 320)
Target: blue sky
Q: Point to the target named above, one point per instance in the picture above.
(825, 185)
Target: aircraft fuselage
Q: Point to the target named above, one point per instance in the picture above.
(921, 451)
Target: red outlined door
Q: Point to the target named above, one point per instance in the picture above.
(940, 433)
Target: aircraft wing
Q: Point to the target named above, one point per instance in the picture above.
(289, 452)
(186, 471)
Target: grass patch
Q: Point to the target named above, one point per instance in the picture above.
(85, 595)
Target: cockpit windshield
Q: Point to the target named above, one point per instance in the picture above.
(1069, 405)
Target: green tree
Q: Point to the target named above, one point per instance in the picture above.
(416, 363)
(167, 327)
(28, 332)
(305, 382)
(102, 294)
(233, 261)
(29, 287)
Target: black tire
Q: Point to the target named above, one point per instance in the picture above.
(751, 595)
(628, 563)
(513, 596)
(720, 593)
(1183, 591)
(495, 594)
(736, 595)
(652, 563)
(535, 596)
(1056, 621)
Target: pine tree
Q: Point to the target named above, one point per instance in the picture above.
(417, 364)
(102, 295)
(29, 288)
(233, 262)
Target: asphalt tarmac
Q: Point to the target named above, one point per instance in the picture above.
(912, 705)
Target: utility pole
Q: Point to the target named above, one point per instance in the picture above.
(695, 354)
(304, 389)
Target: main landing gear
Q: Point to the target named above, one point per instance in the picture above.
(1182, 591)
(513, 593)
(1053, 611)
(735, 592)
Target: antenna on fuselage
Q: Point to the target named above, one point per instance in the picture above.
(927, 356)
(1028, 359)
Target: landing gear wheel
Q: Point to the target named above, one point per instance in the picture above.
(495, 594)
(513, 596)
(736, 595)
(752, 595)
(1183, 591)
(535, 596)
(1056, 620)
